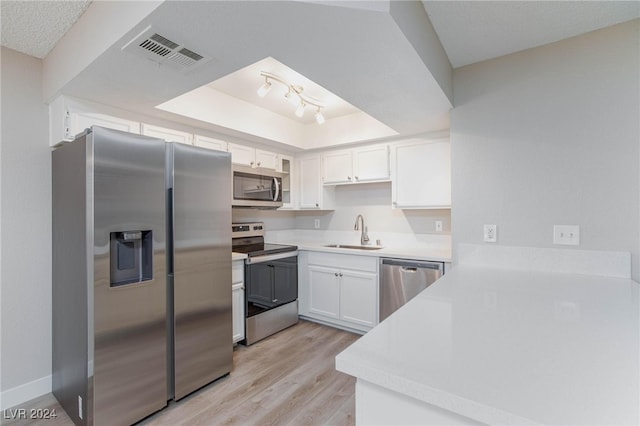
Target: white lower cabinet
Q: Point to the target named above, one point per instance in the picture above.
(237, 299)
(339, 289)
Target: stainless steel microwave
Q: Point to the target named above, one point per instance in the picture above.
(261, 188)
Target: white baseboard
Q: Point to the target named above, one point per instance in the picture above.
(26, 392)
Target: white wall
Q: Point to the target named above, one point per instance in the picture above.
(26, 230)
(373, 201)
(551, 136)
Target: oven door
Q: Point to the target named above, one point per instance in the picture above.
(271, 281)
(251, 189)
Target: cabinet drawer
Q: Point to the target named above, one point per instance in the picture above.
(237, 271)
(360, 263)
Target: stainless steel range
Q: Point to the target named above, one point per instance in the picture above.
(271, 282)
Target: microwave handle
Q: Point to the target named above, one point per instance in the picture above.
(277, 192)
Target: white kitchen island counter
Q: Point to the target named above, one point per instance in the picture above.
(498, 346)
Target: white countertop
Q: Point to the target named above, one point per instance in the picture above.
(238, 256)
(512, 347)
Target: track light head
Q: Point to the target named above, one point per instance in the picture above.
(319, 117)
(300, 110)
(264, 89)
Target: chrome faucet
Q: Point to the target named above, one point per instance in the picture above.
(364, 237)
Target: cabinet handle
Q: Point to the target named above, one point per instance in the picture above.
(317, 205)
(340, 273)
(251, 163)
(349, 177)
(394, 203)
(259, 164)
(356, 177)
(274, 300)
(336, 274)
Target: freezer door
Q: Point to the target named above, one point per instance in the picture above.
(203, 342)
(128, 355)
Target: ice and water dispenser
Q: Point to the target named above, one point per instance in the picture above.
(131, 254)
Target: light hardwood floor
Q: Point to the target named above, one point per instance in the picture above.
(286, 379)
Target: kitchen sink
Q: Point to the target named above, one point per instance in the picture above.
(354, 247)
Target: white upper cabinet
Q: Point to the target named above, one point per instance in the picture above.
(80, 121)
(371, 163)
(313, 195)
(337, 167)
(210, 143)
(365, 164)
(421, 175)
(266, 159)
(170, 135)
(252, 157)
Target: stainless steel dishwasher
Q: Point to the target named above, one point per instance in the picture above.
(401, 280)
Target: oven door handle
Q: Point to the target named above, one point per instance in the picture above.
(270, 257)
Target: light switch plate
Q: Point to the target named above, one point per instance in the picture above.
(566, 235)
(316, 223)
(438, 226)
(490, 233)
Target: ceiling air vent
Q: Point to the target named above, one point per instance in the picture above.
(158, 48)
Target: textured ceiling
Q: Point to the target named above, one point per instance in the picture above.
(34, 27)
(473, 31)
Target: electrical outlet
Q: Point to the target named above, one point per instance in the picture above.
(438, 226)
(316, 223)
(490, 233)
(566, 235)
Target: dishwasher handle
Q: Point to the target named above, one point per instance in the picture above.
(413, 265)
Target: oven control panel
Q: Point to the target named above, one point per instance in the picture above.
(252, 229)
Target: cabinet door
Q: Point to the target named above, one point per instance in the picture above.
(81, 121)
(169, 135)
(259, 284)
(310, 184)
(324, 292)
(266, 159)
(285, 166)
(285, 277)
(241, 154)
(371, 163)
(237, 307)
(358, 292)
(337, 167)
(210, 143)
(422, 175)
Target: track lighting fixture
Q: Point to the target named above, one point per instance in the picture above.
(294, 95)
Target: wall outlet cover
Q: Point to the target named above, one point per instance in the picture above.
(566, 235)
(316, 223)
(438, 226)
(490, 233)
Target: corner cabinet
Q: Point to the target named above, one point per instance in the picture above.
(421, 174)
(237, 298)
(338, 289)
(313, 195)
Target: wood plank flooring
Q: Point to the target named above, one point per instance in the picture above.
(286, 379)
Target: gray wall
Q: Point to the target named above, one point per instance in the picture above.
(551, 136)
(26, 224)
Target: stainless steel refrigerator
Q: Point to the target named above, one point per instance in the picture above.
(141, 274)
